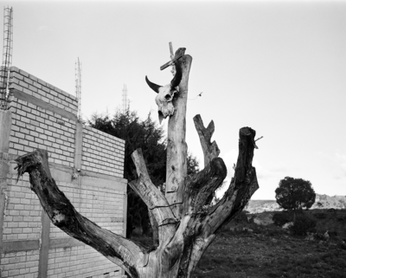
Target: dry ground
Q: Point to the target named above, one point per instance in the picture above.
(268, 251)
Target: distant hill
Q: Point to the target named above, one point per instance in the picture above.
(327, 202)
(258, 206)
(321, 202)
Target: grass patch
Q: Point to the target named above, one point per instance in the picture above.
(269, 251)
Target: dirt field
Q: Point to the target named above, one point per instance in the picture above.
(268, 251)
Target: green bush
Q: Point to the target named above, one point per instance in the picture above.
(320, 215)
(240, 218)
(281, 218)
(303, 224)
(341, 218)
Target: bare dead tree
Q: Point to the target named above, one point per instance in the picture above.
(185, 219)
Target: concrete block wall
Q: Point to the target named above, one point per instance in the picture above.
(43, 116)
(83, 262)
(30, 85)
(22, 217)
(34, 126)
(99, 150)
(20, 264)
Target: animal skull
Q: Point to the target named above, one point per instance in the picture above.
(165, 94)
(164, 102)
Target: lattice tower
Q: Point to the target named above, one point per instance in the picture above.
(125, 99)
(7, 56)
(78, 86)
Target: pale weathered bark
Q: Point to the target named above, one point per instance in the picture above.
(176, 144)
(184, 218)
(210, 150)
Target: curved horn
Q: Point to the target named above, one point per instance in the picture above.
(152, 85)
(177, 77)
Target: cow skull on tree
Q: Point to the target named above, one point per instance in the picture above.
(165, 95)
(183, 216)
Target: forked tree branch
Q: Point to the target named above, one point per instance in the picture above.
(210, 150)
(62, 214)
(201, 187)
(186, 223)
(153, 197)
(243, 184)
(202, 226)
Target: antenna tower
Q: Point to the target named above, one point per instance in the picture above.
(125, 99)
(7, 56)
(78, 86)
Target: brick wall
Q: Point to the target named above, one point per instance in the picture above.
(99, 150)
(22, 264)
(43, 116)
(32, 86)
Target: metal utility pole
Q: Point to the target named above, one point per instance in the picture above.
(7, 57)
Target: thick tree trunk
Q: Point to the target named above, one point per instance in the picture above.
(184, 218)
(176, 143)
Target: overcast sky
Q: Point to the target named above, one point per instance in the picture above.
(276, 66)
